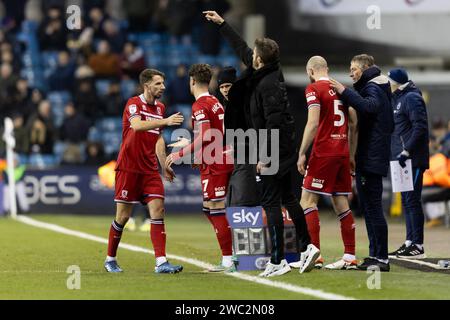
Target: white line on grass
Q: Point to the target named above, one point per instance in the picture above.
(264, 281)
(422, 263)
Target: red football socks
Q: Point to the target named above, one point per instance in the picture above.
(158, 237)
(348, 231)
(313, 222)
(115, 233)
(219, 221)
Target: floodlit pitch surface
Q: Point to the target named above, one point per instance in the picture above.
(34, 262)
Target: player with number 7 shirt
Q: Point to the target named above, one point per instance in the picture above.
(332, 127)
(214, 160)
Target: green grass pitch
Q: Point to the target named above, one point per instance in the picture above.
(33, 264)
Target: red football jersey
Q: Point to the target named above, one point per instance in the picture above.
(208, 109)
(137, 152)
(332, 135)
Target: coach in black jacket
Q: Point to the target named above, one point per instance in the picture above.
(372, 101)
(410, 141)
(258, 100)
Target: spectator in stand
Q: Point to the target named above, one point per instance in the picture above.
(22, 98)
(97, 19)
(86, 99)
(95, 154)
(14, 15)
(73, 131)
(52, 31)
(132, 61)
(138, 13)
(178, 88)
(36, 97)
(209, 40)
(41, 130)
(20, 134)
(114, 35)
(7, 85)
(113, 101)
(7, 57)
(182, 13)
(62, 77)
(104, 63)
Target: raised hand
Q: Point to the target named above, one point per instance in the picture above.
(214, 17)
(175, 120)
(181, 143)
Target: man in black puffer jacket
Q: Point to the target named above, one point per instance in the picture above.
(372, 101)
(258, 100)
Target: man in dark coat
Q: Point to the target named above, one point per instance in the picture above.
(371, 98)
(258, 101)
(410, 141)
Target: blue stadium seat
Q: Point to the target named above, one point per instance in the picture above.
(49, 59)
(58, 150)
(59, 97)
(23, 158)
(42, 160)
(102, 86)
(128, 88)
(94, 134)
(111, 141)
(201, 58)
(110, 124)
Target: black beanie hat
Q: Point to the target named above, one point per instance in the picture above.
(226, 75)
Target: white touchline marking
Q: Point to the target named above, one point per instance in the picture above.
(264, 281)
(423, 263)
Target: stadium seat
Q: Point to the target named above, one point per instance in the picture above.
(128, 88)
(102, 86)
(111, 141)
(42, 160)
(94, 134)
(58, 150)
(110, 124)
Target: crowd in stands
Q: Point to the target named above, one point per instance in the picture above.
(66, 89)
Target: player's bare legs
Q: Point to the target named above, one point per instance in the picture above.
(216, 214)
(123, 213)
(158, 237)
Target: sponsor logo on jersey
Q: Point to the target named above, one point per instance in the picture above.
(132, 108)
(311, 98)
(200, 116)
(317, 183)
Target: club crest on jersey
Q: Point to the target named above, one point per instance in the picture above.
(158, 110)
(124, 194)
(144, 108)
(132, 109)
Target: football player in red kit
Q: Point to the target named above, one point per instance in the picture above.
(331, 161)
(137, 175)
(215, 167)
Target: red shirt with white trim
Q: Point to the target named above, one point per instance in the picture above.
(207, 108)
(332, 135)
(138, 150)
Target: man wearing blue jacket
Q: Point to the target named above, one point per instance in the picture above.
(410, 141)
(371, 98)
